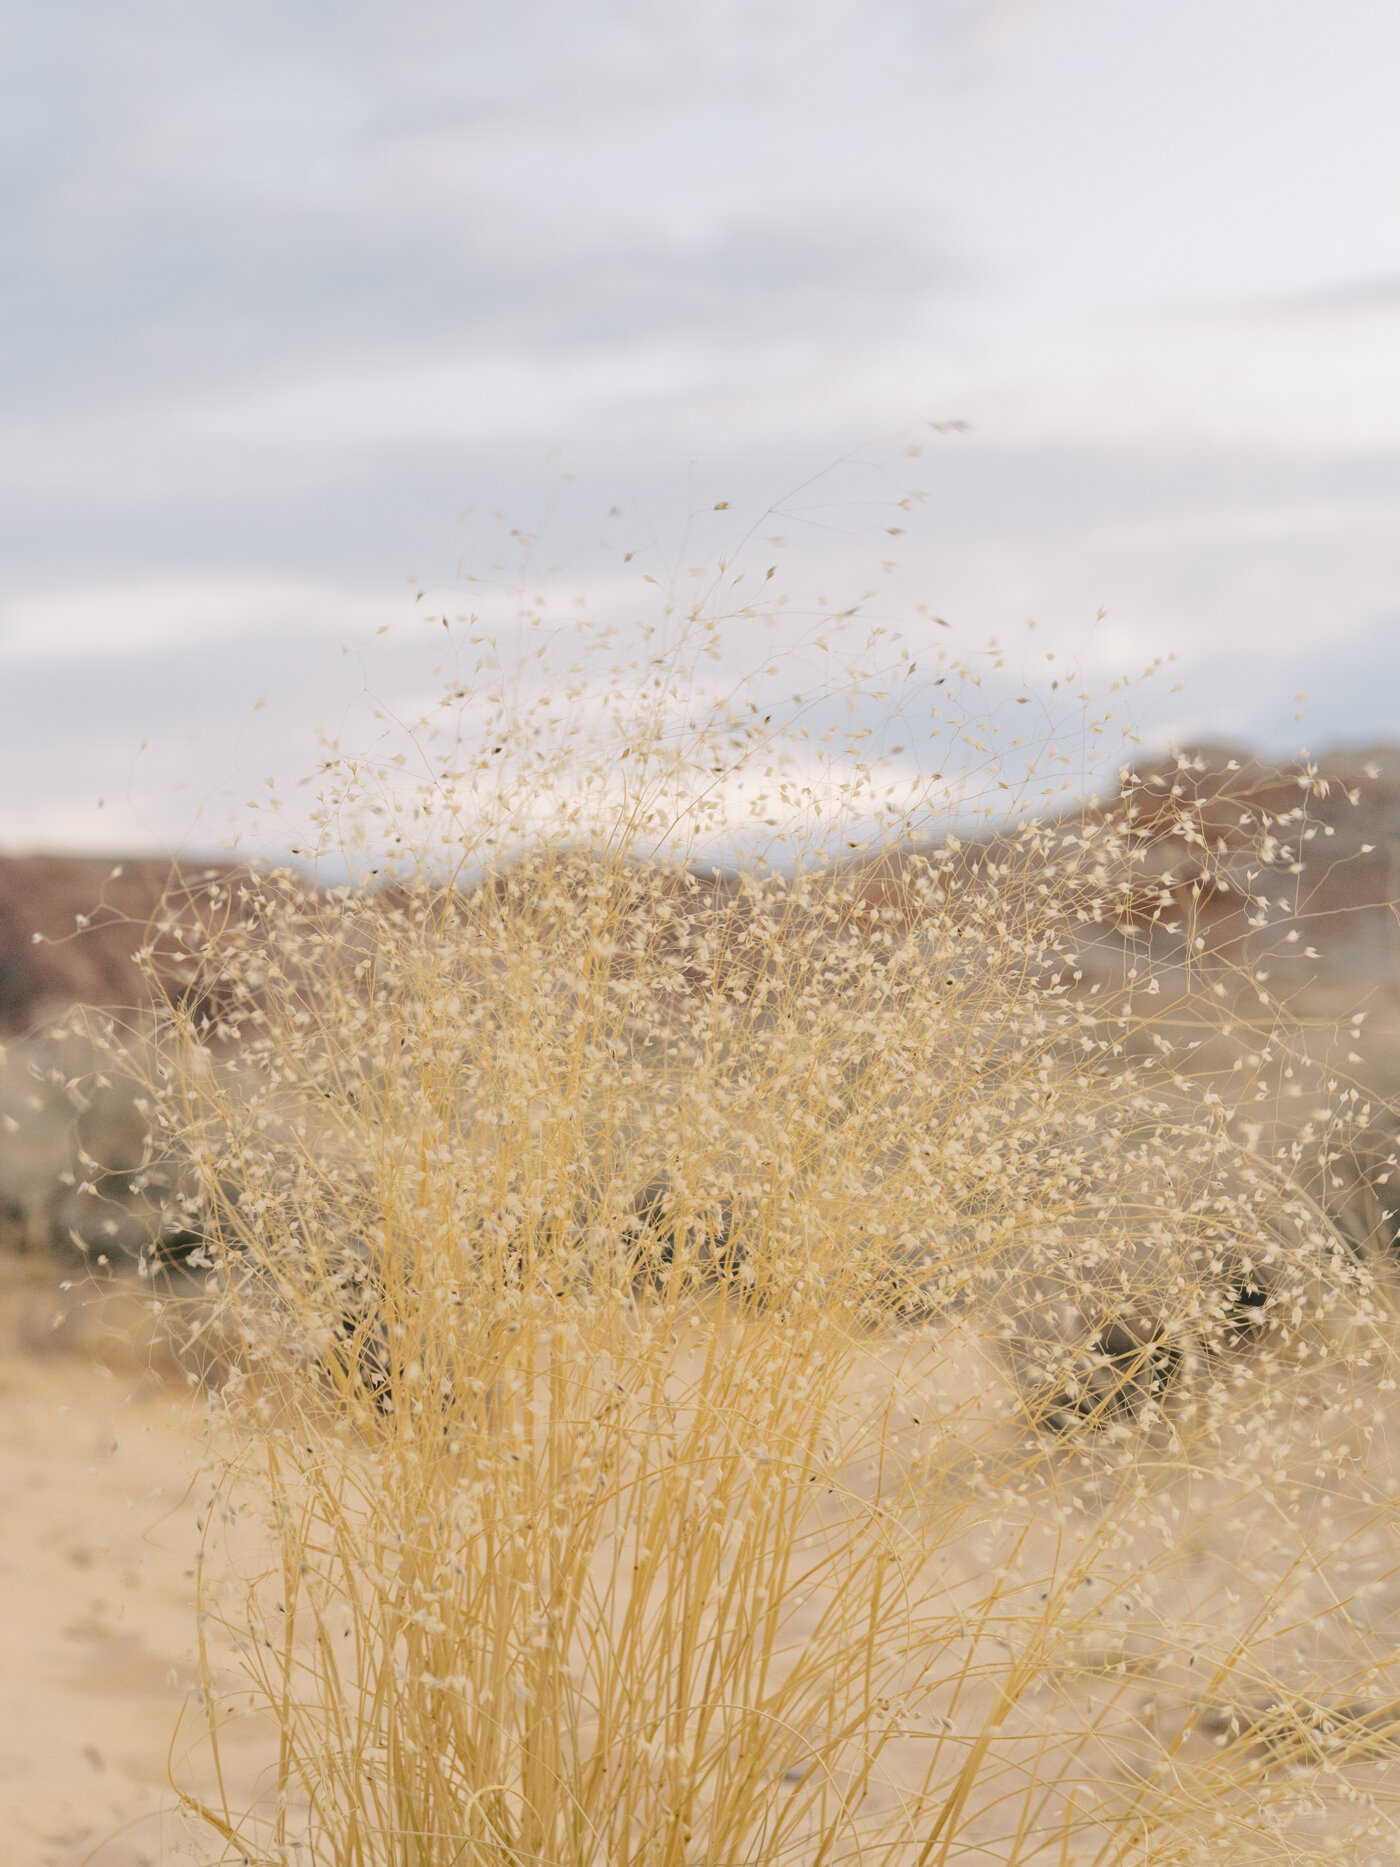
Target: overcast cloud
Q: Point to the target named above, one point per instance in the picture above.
(297, 299)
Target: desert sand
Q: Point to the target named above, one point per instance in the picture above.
(103, 1450)
(100, 1450)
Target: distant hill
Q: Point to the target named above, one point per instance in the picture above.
(69, 930)
(90, 913)
(1172, 870)
(1218, 826)
(1191, 848)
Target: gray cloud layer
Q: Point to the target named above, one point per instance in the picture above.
(299, 296)
(191, 193)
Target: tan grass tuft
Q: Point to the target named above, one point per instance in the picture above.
(767, 1367)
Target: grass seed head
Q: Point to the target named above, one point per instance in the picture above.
(779, 1362)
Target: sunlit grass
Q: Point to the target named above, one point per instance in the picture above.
(764, 1367)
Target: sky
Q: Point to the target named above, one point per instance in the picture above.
(322, 323)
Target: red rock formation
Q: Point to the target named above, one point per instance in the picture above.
(1290, 868)
(70, 927)
(1214, 859)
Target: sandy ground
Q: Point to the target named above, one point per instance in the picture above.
(99, 1452)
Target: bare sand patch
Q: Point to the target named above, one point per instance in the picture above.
(99, 1453)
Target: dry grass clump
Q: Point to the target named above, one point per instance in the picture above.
(764, 1367)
